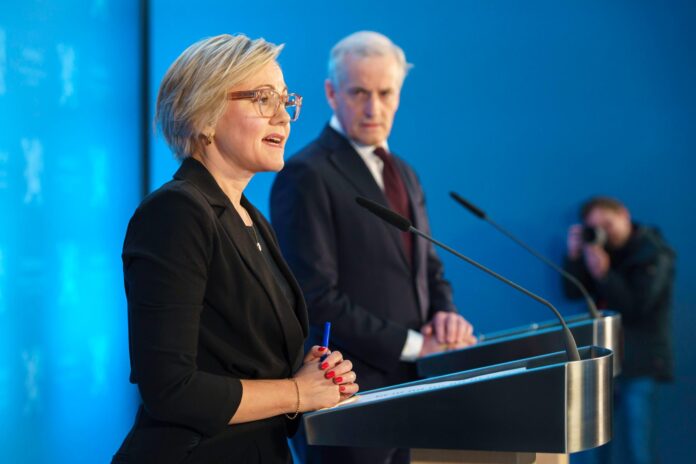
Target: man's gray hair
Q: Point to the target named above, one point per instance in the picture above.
(364, 44)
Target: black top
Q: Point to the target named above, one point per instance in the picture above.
(639, 286)
(277, 274)
(204, 311)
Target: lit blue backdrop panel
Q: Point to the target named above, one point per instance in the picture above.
(69, 180)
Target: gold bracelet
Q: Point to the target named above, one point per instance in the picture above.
(297, 409)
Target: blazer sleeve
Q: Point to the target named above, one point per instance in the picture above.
(301, 213)
(165, 260)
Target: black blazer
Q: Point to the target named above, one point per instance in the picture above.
(204, 311)
(350, 264)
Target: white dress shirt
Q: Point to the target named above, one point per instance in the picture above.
(414, 340)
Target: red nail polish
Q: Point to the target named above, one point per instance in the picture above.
(330, 374)
(322, 348)
(342, 388)
(324, 365)
(338, 379)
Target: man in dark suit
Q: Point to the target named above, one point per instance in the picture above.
(382, 290)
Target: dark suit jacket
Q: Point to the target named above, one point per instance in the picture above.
(350, 264)
(204, 311)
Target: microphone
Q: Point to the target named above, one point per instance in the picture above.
(591, 306)
(404, 224)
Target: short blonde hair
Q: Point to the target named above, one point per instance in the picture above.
(192, 95)
(364, 44)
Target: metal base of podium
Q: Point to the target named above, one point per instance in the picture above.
(444, 456)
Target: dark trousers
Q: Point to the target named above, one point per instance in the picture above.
(635, 426)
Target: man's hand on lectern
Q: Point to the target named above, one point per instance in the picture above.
(446, 331)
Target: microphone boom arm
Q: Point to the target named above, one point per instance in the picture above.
(571, 346)
(479, 213)
(401, 223)
(588, 299)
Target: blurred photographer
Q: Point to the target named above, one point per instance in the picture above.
(628, 268)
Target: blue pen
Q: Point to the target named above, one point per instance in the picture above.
(325, 342)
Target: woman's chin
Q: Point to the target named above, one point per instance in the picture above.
(274, 166)
(279, 165)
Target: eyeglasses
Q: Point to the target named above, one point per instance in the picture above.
(269, 101)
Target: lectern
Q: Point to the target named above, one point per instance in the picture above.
(502, 413)
(528, 341)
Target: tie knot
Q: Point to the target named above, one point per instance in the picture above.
(381, 153)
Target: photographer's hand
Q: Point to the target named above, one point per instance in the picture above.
(597, 261)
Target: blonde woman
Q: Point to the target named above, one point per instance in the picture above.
(216, 319)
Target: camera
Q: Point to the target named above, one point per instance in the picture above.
(594, 236)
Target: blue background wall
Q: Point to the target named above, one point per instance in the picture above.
(69, 181)
(526, 109)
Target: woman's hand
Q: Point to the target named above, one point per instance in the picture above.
(315, 354)
(342, 374)
(323, 384)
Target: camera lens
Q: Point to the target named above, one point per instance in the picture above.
(594, 236)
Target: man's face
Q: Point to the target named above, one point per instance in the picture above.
(617, 224)
(367, 97)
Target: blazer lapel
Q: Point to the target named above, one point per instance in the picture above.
(412, 200)
(255, 261)
(349, 163)
(419, 243)
(297, 329)
(294, 330)
(270, 238)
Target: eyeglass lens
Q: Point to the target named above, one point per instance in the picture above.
(269, 103)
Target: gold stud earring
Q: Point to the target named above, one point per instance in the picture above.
(207, 138)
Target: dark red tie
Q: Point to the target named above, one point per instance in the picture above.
(395, 191)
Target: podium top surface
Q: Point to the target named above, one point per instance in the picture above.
(528, 341)
(551, 324)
